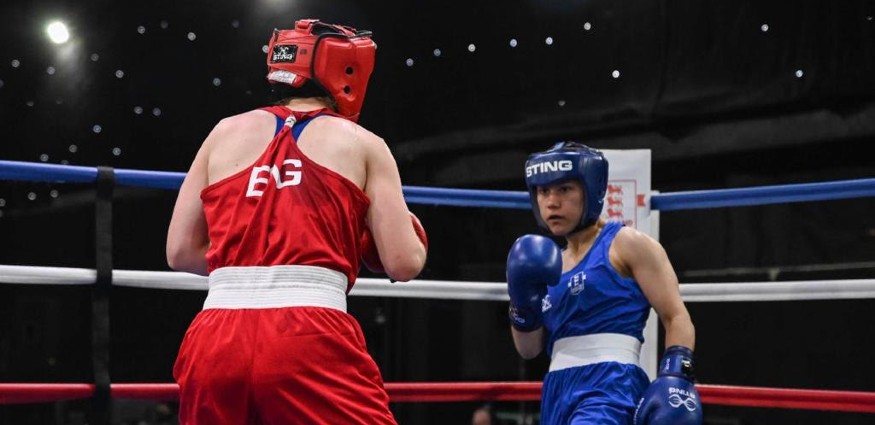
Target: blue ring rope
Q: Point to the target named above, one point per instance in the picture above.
(763, 195)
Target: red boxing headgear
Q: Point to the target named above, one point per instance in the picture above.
(338, 58)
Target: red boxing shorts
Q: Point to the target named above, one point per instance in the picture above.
(274, 345)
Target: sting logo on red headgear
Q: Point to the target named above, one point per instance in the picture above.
(284, 54)
(338, 58)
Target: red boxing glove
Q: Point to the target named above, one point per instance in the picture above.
(420, 231)
(370, 255)
(368, 246)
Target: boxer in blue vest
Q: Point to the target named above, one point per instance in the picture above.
(588, 304)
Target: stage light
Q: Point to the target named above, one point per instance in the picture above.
(58, 32)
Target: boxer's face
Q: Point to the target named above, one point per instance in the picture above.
(561, 206)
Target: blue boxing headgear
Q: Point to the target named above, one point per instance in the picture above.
(570, 161)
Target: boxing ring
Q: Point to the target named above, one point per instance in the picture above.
(104, 276)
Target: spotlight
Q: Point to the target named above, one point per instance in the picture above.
(58, 32)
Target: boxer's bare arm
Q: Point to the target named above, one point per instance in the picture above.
(187, 238)
(645, 259)
(401, 252)
(528, 344)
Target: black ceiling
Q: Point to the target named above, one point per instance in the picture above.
(457, 84)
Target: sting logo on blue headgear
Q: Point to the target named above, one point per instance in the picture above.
(567, 161)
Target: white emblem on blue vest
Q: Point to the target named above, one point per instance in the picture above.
(576, 283)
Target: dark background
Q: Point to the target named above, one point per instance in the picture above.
(725, 94)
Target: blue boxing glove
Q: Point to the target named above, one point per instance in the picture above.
(671, 399)
(533, 263)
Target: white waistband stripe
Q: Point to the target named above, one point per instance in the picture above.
(597, 348)
(276, 286)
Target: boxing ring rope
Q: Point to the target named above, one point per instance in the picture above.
(848, 401)
(843, 401)
(454, 290)
(763, 195)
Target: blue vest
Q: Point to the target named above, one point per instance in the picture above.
(594, 298)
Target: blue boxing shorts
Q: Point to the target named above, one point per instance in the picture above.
(601, 393)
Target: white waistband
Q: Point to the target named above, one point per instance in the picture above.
(276, 286)
(584, 350)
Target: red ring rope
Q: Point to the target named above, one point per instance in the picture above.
(844, 401)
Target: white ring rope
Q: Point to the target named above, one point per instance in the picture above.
(455, 290)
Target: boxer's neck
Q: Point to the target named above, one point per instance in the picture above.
(304, 104)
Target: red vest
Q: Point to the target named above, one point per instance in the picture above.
(285, 209)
